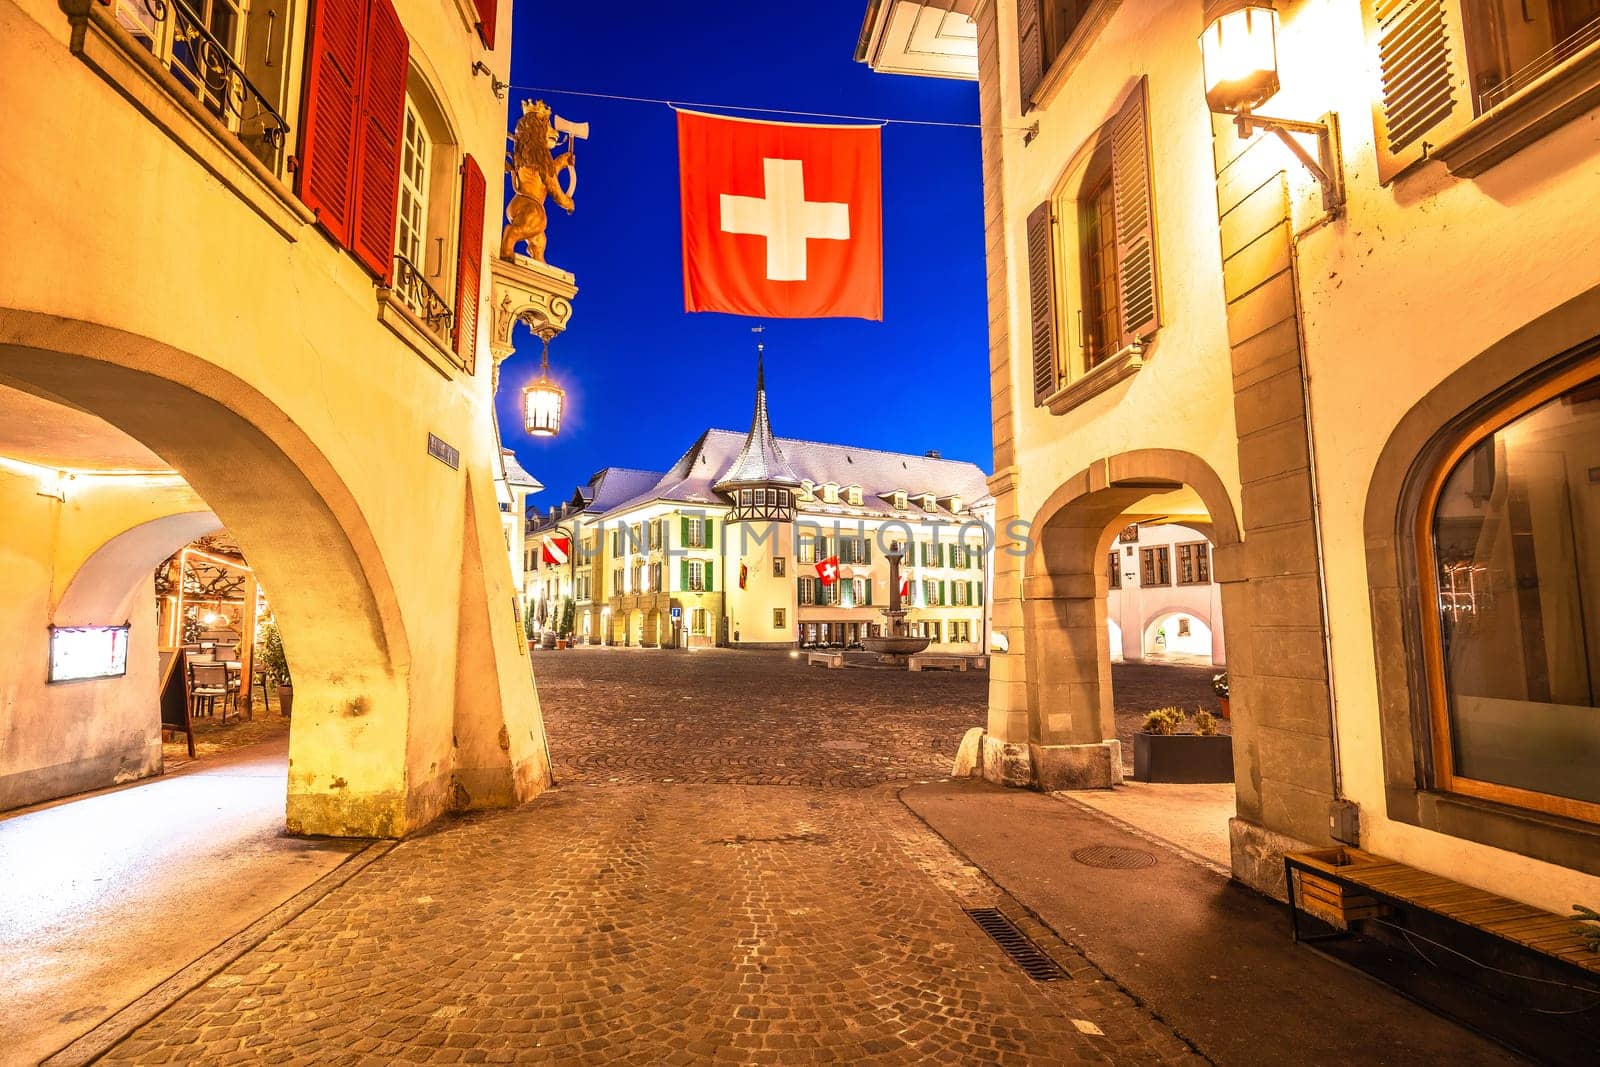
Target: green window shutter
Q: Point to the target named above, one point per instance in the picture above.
(708, 535)
(709, 567)
(683, 533)
(942, 599)
(867, 588)
(683, 574)
(866, 551)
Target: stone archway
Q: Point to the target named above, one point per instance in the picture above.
(1201, 643)
(1052, 727)
(381, 744)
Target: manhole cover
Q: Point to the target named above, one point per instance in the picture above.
(1115, 859)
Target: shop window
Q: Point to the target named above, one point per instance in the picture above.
(1509, 553)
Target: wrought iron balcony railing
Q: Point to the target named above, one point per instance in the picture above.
(422, 298)
(207, 68)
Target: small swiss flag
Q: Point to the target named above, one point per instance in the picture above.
(828, 570)
(555, 549)
(781, 220)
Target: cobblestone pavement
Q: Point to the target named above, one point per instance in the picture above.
(659, 908)
(639, 715)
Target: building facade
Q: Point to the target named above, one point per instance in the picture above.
(1162, 602)
(722, 549)
(1358, 351)
(253, 298)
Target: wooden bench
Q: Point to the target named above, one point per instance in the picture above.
(930, 661)
(1340, 885)
(825, 659)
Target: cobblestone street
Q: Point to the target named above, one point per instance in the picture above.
(724, 873)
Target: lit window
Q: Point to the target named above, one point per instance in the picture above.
(780, 618)
(1512, 609)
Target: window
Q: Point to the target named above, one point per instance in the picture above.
(780, 618)
(696, 574)
(695, 533)
(655, 577)
(1092, 270)
(1518, 41)
(805, 548)
(227, 54)
(855, 495)
(958, 592)
(1477, 59)
(416, 152)
(616, 582)
(1509, 548)
(930, 593)
(930, 503)
(780, 566)
(700, 621)
(1194, 563)
(900, 502)
(808, 590)
(1046, 29)
(744, 497)
(1114, 571)
(1097, 236)
(1157, 565)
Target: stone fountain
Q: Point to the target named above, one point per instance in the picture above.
(896, 645)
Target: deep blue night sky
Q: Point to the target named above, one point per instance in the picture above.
(643, 377)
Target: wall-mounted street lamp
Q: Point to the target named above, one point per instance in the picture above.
(543, 399)
(1239, 49)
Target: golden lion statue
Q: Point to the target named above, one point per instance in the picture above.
(535, 173)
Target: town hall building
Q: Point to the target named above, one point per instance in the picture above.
(723, 548)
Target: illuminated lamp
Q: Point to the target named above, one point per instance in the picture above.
(1239, 56)
(542, 399)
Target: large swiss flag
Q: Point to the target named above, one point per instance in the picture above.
(781, 220)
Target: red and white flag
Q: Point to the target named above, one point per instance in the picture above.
(555, 550)
(781, 220)
(828, 570)
(905, 585)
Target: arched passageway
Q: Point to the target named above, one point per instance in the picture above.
(1178, 633)
(1054, 726)
(381, 744)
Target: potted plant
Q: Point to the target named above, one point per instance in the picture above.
(1219, 686)
(1162, 752)
(530, 625)
(569, 609)
(275, 666)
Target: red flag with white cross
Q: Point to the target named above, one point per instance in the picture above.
(781, 219)
(555, 550)
(828, 570)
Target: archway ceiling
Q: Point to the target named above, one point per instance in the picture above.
(1178, 505)
(43, 432)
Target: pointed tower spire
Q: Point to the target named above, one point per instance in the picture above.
(760, 461)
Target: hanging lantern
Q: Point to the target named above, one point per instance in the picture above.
(542, 400)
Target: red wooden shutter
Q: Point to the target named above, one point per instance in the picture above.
(469, 262)
(382, 117)
(1042, 307)
(1135, 219)
(487, 10)
(1030, 50)
(328, 144)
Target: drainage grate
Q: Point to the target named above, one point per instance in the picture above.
(1016, 944)
(1115, 859)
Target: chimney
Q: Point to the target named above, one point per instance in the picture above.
(932, 453)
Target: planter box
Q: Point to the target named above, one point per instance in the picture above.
(1182, 758)
(1326, 899)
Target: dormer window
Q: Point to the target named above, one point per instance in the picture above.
(853, 494)
(929, 503)
(954, 504)
(830, 492)
(900, 501)
(807, 490)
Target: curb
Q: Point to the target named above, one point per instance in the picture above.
(100, 1040)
